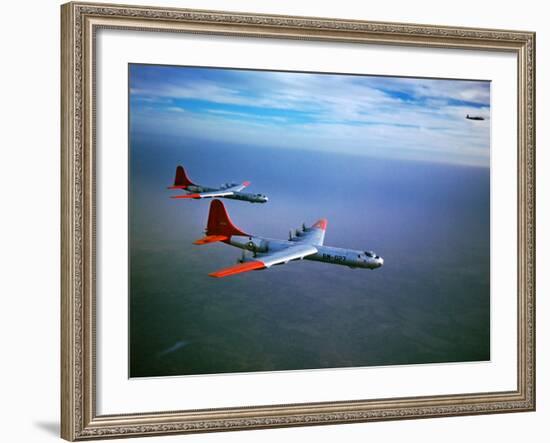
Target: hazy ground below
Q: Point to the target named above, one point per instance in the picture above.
(429, 303)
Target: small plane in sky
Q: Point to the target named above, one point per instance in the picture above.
(469, 117)
(305, 243)
(228, 190)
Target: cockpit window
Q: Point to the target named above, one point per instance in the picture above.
(370, 254)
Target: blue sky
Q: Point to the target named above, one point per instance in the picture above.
(387, 117)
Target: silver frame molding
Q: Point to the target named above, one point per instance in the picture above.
(79, 22)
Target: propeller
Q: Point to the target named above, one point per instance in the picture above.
(304, 226)
(290, 235)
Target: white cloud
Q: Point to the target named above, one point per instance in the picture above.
(421, 119)
(452, 145)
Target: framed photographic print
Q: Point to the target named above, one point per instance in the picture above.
(282, 221)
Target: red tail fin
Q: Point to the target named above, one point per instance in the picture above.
(219, 222)
(181, 181)
(220, 227)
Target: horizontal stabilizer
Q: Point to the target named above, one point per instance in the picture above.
(211, 239)
(177, 187)
(237, 269)
(187, 196)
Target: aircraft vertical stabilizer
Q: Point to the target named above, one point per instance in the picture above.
(219, 227)
(181, 181)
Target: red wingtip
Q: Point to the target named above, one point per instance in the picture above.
(246, 183)
(237, 269)
(187, 196)
(210, 239)
(321, 224)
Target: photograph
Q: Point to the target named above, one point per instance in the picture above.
(288, 221)
(284, 217)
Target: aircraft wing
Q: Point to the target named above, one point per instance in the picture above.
(286, 255)
(293, 252)
(314, 235)
(238, 188)
(211, 194)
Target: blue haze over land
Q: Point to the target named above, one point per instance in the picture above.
(425, 209)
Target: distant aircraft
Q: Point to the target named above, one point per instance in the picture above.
(474, 117)
(228, 190)
(305, 243)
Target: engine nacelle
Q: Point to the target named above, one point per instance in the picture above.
(256, 245)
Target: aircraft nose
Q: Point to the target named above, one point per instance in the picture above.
(380, 262)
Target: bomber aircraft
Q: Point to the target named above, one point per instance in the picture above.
(228, 190)
(474, 117)
(305, 243)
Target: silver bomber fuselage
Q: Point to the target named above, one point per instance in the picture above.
(246, 196)
(327, 254)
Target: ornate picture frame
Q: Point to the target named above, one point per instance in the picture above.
(80, 23)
